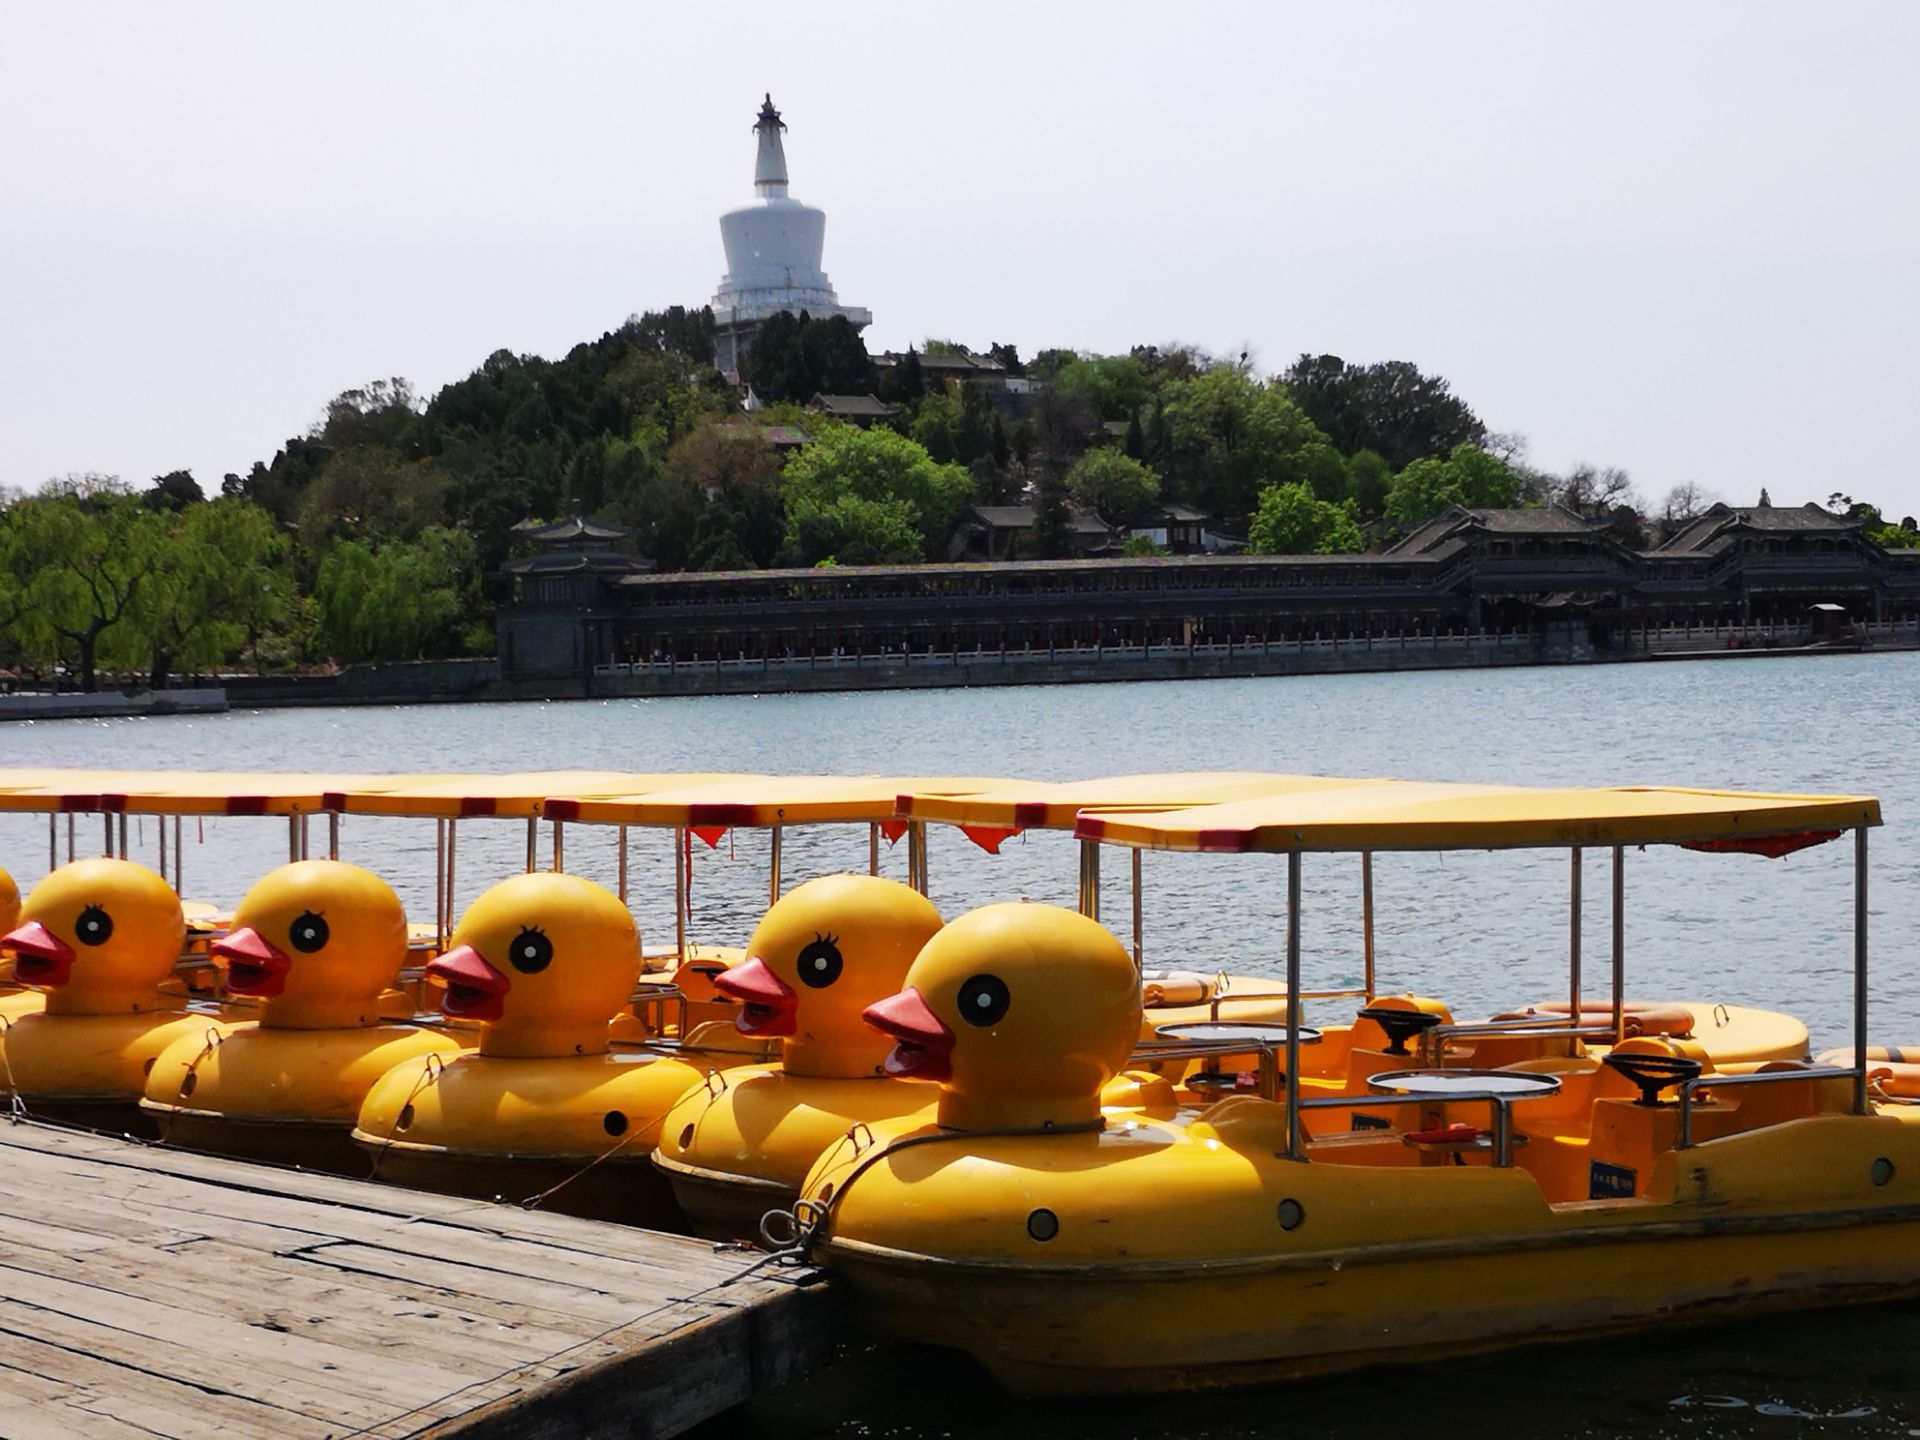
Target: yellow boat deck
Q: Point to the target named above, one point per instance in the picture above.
(152, 1292)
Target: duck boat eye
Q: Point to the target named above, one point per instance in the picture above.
(94, 927)
(530, 953)
(984, 1000)
(819, 962)
(308, 933)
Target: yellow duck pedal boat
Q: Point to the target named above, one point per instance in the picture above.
(1075, 1255)
(315, 944)
(96, 939)
(541, 1111)
(740, 1147)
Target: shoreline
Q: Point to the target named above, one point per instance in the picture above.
(479, 681)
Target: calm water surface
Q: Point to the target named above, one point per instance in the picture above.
(1486, 931)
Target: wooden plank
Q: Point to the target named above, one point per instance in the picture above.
(670, 1386)
(176, 1407)
(149, 1292)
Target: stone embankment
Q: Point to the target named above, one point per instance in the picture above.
(455, 681)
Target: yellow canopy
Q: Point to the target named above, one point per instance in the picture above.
(515, 795)
(178, 792)
(1417, 815)
(765, 800)
(1053, 805)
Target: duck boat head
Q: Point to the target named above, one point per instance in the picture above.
(9, 902)
(541, 961)
(1020, 1012)
(820, 956)
(316, 942)
(98, 936)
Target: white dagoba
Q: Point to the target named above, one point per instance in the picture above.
(773, 256)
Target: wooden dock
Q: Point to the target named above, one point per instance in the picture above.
(146, 1291)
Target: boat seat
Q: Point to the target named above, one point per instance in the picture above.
(1754, 1107)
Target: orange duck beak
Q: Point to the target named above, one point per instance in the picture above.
(922, 1045)
(475, 990)
(41, 958)
(768, 1005)
(254, 965)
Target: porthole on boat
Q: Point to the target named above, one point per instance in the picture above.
(686, 1136)
(1291, 1214)
(1043, 1225)
(405, 1120)
(187, 1082)
(1882, 1171)
(615, 1123)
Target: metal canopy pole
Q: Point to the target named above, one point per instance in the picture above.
(163, 847)
(1139, 946)
(293, 838)
(179, 856)
(306, 836)
(108, 852)
(1295, 1150)
(440, 884)
(533, 843)
(917, 855)
(450, 858)
(559, 850)
(680, 861)
(123, 834)
(873, 849)
(1090, 879)
(69, 837)
(333, 835)
(1366, 917)
(1619, 943)
(773, 865)
(623, 864)
(1860, 970)
(53, 841)
(1573, 941)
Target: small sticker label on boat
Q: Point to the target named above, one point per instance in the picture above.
(1610, 1182)
(1371, 1122)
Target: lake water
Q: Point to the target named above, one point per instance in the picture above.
(1485, 931)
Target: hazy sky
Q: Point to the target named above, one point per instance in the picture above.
(1677, 238)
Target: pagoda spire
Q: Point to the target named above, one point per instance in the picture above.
(770, 166)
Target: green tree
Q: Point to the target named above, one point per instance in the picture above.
(1230, 437)
(84, 557)
(1114, 386)
(1391, 408)
(395, 601)
(1369, 478)
(1107, 481)
(878, 466)
(1292, 520)
(175, 490)
(1139, 547)
(218, 581)
(1469, 476)
(851, 529)
(795, 357)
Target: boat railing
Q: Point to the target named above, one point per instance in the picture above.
(1501, 1106)
(1267, 1070)
(1757, 1077)
(1433, 1044)
(650, 1004)
(1222, 997)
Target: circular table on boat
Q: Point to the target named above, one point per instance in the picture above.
(1507, 1084)
(1251, 1032)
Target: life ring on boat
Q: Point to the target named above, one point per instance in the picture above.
(1885, 1068)
(1159, 988)
(1637, 1017)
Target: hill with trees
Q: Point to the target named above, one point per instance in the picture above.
(382, 532)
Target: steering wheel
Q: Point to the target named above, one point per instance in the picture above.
(1400, 1025)
(1653, 1073)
